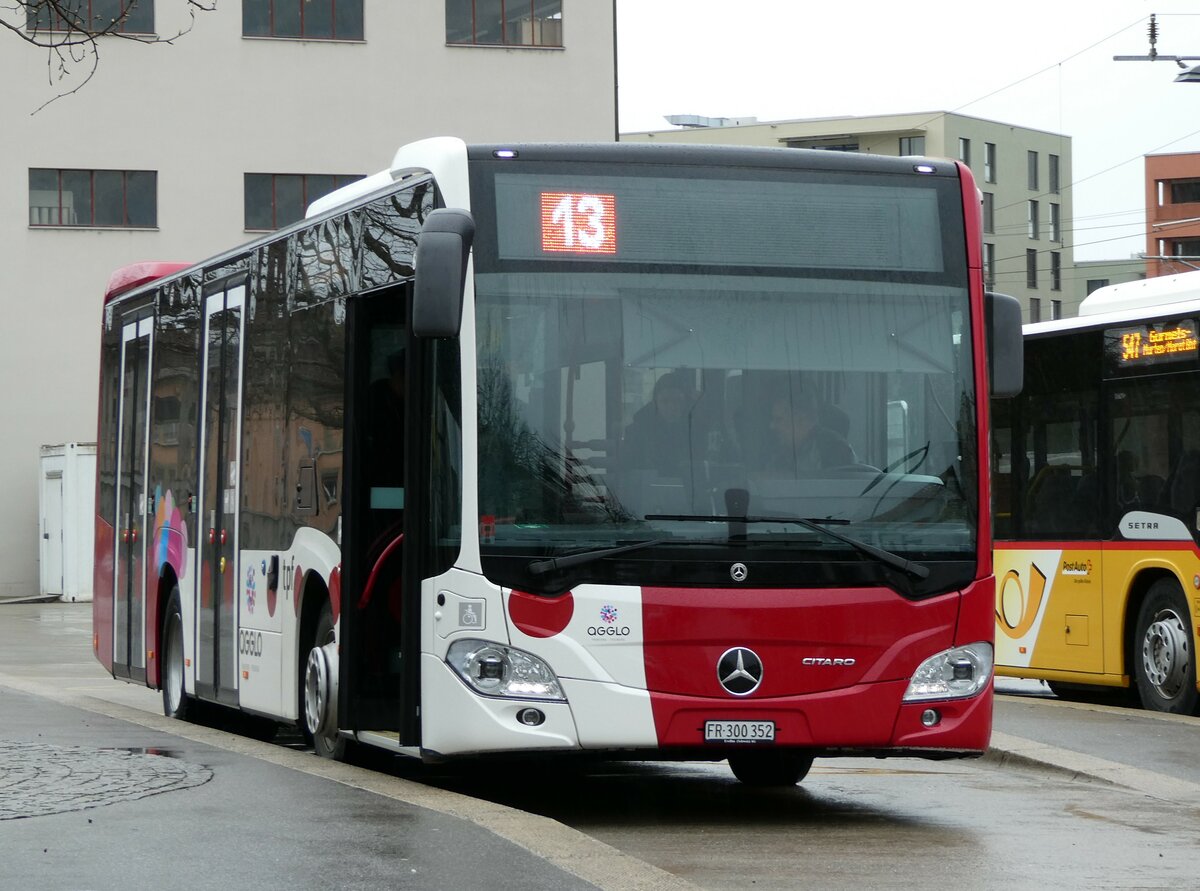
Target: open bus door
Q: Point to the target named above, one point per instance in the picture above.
(380, 639)
(404, 494)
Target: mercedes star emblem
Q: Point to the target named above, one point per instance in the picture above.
(738, 572)
(740, 671)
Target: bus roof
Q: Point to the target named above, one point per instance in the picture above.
(137, 274)
(1142, 294)
(440, 155)
(1138, 301)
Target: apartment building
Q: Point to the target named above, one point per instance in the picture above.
(176, 151)
(1172, 213)
(1091, 275)
(1023, 176)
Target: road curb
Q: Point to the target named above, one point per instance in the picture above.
(571, 850)
(1014, 751)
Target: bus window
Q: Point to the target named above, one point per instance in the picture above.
(384, 425)
(1004, 468)
(1060, 490)
(1152, 420)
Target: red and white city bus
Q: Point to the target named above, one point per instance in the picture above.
(644, 451)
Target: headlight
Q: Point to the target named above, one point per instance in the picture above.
(496, 670)
(952, 674)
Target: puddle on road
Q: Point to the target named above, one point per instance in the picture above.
(137, 750)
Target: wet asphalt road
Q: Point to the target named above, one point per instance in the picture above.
(853, 823)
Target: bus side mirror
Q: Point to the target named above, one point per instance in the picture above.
(1005, 344)
(443, 248)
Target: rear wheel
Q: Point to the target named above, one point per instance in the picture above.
(1164, 659)
(774, 767)
(176, 702)
(320, 673)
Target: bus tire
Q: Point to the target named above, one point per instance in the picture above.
(771, 767)
(1164, 660)
(318, 676)
(176, 703)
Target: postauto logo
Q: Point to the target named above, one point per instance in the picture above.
(1077, 567)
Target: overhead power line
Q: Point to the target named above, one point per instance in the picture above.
(1076, 54)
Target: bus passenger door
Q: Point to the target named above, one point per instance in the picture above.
(220, 449)
(1054, 594)
(373, 664)
(1153, 420)
(132, 515)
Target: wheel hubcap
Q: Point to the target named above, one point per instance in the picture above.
(174, 666)
(315, 684)
(320, 691)
(1165, 655)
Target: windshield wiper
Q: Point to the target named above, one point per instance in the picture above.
(816, 524)
(541, 567)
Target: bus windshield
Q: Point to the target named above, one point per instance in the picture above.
(695, 381)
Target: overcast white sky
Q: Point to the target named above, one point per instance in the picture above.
(1046, 65)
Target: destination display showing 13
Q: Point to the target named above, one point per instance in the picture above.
(577, 223)
(1152, 345)
(725, 218)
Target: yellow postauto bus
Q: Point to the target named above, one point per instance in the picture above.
(1096, 499)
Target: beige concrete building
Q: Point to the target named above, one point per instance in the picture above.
(1023, 175)
(1091, 275)
(282, 99)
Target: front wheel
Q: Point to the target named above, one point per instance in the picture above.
(1164, 660)
(176, 702)
(773, 767)
(320, 690)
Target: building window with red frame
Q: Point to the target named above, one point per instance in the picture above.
(273, 200)
(114, 16)
(504, 22)
(119, 199)
(303, 19)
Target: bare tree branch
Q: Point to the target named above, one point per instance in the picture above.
(71, 31)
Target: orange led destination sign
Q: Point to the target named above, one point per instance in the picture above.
(1153, 344)
(579, 223)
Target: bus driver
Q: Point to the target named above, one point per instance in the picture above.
(799, 444)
